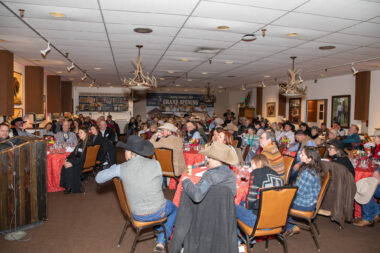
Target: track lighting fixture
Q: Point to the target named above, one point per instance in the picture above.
(70, 67)
(354, 70)
(263, 32)
(209, 61)
(45, 52)
(243, 87)
(263, 84)
(84, 77)
(22, 12)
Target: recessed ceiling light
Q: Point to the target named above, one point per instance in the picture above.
(220, 91)
(162, 78)
(189, 80)
(229, 62)
(143, 30)
(1, 40)
(326, 47)
(57, 14)
(108, 83)
(36, 60)
(185, 59)
(248, 37)
(267, 76)
(292, 34)
(322, 75)
(185, 90)
(170, 71)
(223, 27)
(71, 79)
(231, 76)
(59, 72)
(97, 68)
(220, 87)
(204, 73)
(177, 85)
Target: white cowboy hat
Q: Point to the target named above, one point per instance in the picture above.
(231, 126)
(169, 126)
(219, 121)
(365, 188)
(221, 152)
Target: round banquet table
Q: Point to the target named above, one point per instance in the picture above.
(54, 166)
(195, 177)
(359, 174)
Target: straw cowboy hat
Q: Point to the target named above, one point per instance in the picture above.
(221, 152)
(231, 126)
(169, 126)
(219, 121)
(137, 145)
(365, 188)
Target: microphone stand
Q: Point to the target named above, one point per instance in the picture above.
(15, 235)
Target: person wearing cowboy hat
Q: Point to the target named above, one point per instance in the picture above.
(219, 155)
(288, 132)
(17, 129)
(337, 154)
(165, 138)
(366, 189)
(142, 180)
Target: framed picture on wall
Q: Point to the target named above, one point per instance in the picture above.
(17, 88)
(340, 110)
(271, 109)
(295, 110)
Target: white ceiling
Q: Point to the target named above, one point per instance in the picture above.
(92, 29)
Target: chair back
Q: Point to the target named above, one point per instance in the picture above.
(275, 203)
(165, 157)
(122, 196)
(246, 150)
(322, 193)
(322, 151)
(288, 162)
(144, 136)
(235, 143)
(91, 154)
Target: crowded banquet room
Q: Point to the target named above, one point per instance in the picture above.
(189, 126)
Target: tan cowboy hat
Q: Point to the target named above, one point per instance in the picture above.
(219, 121)
(365, 188)
(221, 152)
(169, 126)
(231, 126)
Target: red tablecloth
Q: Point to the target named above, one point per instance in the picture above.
(359, 174)
(54, 166)
(241, 186)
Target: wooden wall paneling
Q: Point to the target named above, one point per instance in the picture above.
(39, 176)
(54, 94)
(6, 83)
(259, 101)
(362, 89)
(281, 105)
(66, 96)
(34, 89)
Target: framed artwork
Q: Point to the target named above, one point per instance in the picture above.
(17, 112)
(17, 88)
(271, 109)
(40, 117)
(340, 110)
(294, 110)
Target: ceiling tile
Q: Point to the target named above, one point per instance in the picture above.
(202, 43)
(365, 29)
(212, 35)
(273, 4)
(303, 34)
(86, 4)
(340, 38)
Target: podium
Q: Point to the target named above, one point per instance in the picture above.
(22, 176)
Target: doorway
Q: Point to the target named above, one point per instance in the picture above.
(316, 111)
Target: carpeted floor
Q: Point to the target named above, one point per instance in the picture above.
(92, 223)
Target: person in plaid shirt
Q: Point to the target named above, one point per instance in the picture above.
(309, 184)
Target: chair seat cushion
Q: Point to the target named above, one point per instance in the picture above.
(148, 223)
(306, 214)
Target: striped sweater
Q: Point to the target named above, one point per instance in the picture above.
(275, 158)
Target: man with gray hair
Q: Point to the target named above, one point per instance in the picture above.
(65, 136)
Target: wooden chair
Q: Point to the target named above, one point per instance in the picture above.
(165, 157)
(137, 225)
(235, 143)
(90, 161)
(275, 203)
(310, 216)
(144, 136)
(322, 151)
(246, 150)
(288, 162)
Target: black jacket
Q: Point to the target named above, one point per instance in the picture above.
(107, 152)
(108, 134)
(208, 226)
(344, 161)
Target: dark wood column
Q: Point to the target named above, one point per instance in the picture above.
(281, 105)
(66, 96)
(6, 83)
(259, 101)
(34, 89)
(362, 88)
(54, 94)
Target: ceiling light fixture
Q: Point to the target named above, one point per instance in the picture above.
(208, 50)
(263, 84)
(327, 47)
(294, 87)
(57, 14)
(84, 77)
(70, 67)
(189, 80)
(209, 61)
(229, 62)
(185, 59)
(204, 73)
(140, 81)
(45, 52)
(223, 27)
(263, 32)
(162, 78)
(178, 85)
(292, 34)
(170, 71)
(267, 76)
(220, 87)
(143, 30)
(354, 70)
(243, 87)
(59, 72)
(208, 98)
(22, 12)
(97, 68)
(249, 37)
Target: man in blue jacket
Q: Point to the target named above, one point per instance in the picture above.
(353, 136)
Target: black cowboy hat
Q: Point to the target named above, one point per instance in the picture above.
(13, 122)
(137, 145)
(288, 123)
(337, 144)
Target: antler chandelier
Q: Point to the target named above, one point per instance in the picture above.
(294, 87)
(208, 98)
(139, 81)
